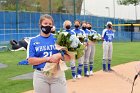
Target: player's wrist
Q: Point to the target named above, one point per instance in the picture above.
(62, 53)
(47, 59)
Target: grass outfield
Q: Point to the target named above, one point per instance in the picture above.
(122, 53)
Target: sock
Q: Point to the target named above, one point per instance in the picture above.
(73, 71)
(109, 66)
(91, 66)
(104, 67)
(85, 68)
(79, 69)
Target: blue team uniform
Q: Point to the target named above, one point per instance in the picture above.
(78, 31)
(87, 53)
(40, 46)
(87, 32)
(92, 32)
(108, 35)
(80, 60)
(70, 31)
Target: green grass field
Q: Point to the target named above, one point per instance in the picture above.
(122, 53)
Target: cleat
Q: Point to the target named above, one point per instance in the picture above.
(87, 74)
(110, 70)
(91, 73)
(79, 76)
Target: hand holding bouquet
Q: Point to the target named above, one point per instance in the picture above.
(71, 45)
(71, 42)
(56, 63)
(95, 37)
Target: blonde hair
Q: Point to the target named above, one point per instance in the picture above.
(65, 23)
(45, 16)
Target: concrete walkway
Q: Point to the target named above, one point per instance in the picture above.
(119, 81)
(24, 76)
(3, 65)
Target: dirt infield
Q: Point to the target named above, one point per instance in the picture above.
(119, 81)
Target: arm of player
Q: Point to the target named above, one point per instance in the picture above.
(37, 61)
(55, 58)
(103, 33)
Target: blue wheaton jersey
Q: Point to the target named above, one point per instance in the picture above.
(87, 32)
(79, 31)
(92, 32)
(40, 46)
(70, 31)
(107, 35)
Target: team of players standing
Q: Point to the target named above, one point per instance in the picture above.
(87, 60)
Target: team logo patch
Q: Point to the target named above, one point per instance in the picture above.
(36, 43)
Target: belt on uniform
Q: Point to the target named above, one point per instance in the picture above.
(39, 69)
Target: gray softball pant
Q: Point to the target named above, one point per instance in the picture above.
(92, 53)
(87, 54)
(80, 61)
(107, 50)
(44, 84)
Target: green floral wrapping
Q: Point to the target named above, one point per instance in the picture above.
(95, 37)
(63, 39)
(80, 51)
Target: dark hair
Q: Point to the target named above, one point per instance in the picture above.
(89, 23)
(83, 22)
(77, 21)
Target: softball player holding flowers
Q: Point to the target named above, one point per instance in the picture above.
(67, 26)
(92, 47)
(79, 33)
(41, 51)
(87, 50)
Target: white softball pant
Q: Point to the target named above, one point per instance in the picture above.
(44, 84)
(107, 50)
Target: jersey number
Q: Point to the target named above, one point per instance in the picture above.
(47, 54)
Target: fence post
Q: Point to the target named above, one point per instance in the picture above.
(50, 7)
(17, 17)
(74, 10)
(132, 32)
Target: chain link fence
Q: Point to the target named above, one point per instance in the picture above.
(19, 18)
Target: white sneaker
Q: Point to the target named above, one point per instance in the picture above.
(87, 73)
(74, 79)
(91, 73)
(79, 76)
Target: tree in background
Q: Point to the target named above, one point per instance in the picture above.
(53, 6)
(127, 2)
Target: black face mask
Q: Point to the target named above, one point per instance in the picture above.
(109, 26)
(53, 32)
(89, 28)
(84, 28)
(46, 29)
(68, 27)
(76, 26)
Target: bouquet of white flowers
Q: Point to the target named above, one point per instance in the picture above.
(73, 47)
(81, 37)
(95, 37)
(71, 42)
